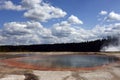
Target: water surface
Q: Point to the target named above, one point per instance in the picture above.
(69, 61)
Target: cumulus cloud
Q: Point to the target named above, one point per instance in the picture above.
(30, 32)
(74, 20)
(103, 13)
(114, 16)
(65, 28)
(24, 4)
(40, 11)
(44, 13)
(31, 3)
(61, 30)
(34, 9)
(109, 17)
(33, 32)
(67, 34)
(8, 5)
(16, 33)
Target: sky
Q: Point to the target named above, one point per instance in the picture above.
(24, 22)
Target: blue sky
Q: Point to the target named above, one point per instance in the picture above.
(57, 21)
(86, 10)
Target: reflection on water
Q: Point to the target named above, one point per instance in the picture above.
(69, 61)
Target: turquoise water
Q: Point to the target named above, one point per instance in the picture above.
(69, 61)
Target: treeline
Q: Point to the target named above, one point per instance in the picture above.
(92, 46)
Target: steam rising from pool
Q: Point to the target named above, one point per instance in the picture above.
(113, 46)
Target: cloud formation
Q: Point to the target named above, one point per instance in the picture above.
(74, 20)
(25, 33)
(31, 3)
(65, 28)
(44, 13)
(8, 5)
(32, 32)
(66, 31)
(103, 13)
(35, 9)
(114, 16)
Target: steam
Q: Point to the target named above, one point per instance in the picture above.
(111, 48)
(113, 45)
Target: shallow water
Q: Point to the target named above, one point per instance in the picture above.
(68, 61)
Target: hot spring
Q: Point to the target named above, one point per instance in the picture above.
(59, 62)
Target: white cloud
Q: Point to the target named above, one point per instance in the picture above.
(8, 5)
(40, 11)
(114, 16)
(31, 3)
(44, 12)
(32, 32)
(74, 20)
(103, 13)
(65, 28)
(24, 4)
(61, 30)
(35, 9)
(66, 32)
(25, 33)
